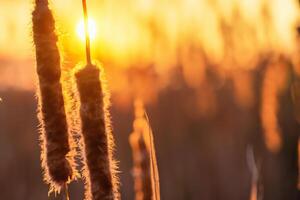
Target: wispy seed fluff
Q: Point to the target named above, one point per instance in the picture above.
(99, 172)
(145, 170)
(56, 160)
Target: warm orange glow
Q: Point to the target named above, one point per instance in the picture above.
(274, 84)
(162, 35)
(91, 28)
(220, 79)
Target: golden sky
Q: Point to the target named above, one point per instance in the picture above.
(153, 31)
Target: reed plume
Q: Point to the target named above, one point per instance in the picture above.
(145, 171)
(56, 159)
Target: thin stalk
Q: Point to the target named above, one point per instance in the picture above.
(87, 35)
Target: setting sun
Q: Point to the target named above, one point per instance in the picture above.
(92, 29)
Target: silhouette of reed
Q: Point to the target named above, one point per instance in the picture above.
(56, 157)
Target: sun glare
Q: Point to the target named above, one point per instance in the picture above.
(91, 28)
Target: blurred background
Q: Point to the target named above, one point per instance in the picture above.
(220, 81)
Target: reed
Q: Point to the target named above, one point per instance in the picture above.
(57, 162)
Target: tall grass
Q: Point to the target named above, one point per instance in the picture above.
(56, 156)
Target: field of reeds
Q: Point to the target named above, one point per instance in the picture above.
(149, 100)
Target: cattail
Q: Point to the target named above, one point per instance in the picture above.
(97, 144)
(56, 161)
(145, 172)
(273, 85)
(99, 173)
(141, 170)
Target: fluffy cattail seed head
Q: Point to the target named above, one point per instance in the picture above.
(55, 145)
(97, 139)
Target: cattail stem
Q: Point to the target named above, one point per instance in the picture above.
(54, 137)
(97, 146)
(87, 35)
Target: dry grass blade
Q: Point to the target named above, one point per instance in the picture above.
(154, 166)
